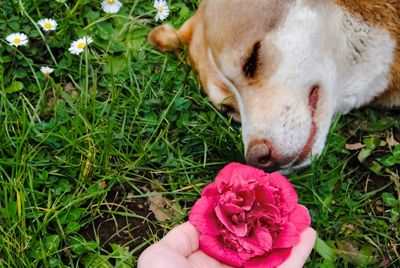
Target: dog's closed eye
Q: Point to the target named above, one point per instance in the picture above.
(230, 111)
(250, 66)
(227, 109)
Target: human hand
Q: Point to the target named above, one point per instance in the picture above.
(180, 249)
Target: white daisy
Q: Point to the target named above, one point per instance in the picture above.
(111, 6)
(79, 45)
(162, 9)
(48, 24)
(46, 70)
(17, 39)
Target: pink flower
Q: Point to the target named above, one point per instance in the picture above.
(248, 218)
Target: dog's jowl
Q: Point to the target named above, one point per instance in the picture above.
(285, 68)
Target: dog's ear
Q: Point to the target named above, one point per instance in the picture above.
(166, 38)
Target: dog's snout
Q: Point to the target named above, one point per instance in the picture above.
(260, 154)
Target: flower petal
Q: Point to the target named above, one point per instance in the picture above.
(264, 238)
(270, 260)
(213, 247)
(287, 192)
(210, 190)
(288, 236)
(261, 241)
(236, 174)
(203, 217)
(250, 248)
(231, 209)
(248, 198)
(300, 218)
(264, 195)
(239, 230)
(225, 175)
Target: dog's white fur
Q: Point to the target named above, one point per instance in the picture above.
(350, 79)
(318, 42)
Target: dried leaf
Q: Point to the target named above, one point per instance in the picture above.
(350, 228)
(69, 88)
(391, 141)
(161, 207)
(355, 146)
(379, 208)
(103, 185)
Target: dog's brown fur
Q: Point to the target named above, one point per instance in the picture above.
(385, 14)
(166, 38)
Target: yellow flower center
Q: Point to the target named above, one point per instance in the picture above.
(17, 40)
(47, 25)
(110, 2)
(160, 9)
(81, 45)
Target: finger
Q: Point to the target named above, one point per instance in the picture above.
(201, 260)
(301, 252)
(172, 250)
(184, 239)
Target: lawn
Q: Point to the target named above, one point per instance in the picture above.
(103, 156)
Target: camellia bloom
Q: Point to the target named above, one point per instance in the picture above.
(48, 24)
(162, 10)
(79, 45)
(248, 218)
(111, 6)
(46, 70)
(17, 39)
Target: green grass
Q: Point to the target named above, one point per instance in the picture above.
(83, 152)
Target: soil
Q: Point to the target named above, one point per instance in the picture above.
(112, 228)
(355, 132)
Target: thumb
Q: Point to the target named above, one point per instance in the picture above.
(302, 251)
(172, 250)
(184, 239)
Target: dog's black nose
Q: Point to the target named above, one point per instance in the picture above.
(260, 155)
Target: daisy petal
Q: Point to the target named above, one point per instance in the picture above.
(162, 10)
(46, 70)
(17, 39)
(48, 24)
(111, 6)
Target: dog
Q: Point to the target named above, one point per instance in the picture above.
(284, 68)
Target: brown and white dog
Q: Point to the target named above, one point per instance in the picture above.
(285, 67)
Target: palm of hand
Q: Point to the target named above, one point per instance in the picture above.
(180, 248)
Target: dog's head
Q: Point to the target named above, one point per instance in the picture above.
(267, 64)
